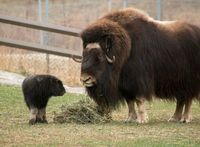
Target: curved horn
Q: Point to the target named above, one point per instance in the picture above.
(110, 60)
(108, 46)
(78, 60)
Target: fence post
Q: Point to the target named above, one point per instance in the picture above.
(158, 9)
(40, 18)
(109, 5)
(46, 37)
(125, 4)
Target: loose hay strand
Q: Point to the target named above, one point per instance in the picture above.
(84, 111)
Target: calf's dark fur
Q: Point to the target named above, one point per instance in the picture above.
(37, 90)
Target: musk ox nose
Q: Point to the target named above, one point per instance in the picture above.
(63, 91)
(87, 80)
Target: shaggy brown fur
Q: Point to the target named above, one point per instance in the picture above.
(152, 58)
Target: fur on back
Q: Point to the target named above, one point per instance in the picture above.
(37, 89)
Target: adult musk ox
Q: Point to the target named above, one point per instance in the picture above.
(128, 56)
(37, 90)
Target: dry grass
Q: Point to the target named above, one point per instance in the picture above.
(83, 112)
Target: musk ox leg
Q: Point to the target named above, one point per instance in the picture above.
(41, 116)
(132, 115)
(33, 115)
(186, 118)
(178, 112)
(142, 114)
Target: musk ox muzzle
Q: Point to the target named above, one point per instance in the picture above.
(88, 80)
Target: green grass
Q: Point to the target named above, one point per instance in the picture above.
(15, 131)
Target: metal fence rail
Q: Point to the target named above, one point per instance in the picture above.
(38, 47)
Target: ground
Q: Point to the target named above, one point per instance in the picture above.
(15, 131)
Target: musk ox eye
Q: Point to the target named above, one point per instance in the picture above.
(59, 82)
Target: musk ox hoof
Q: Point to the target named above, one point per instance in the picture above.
(186, 120)
(131, 119)
(42, 121)
(32, 121)
(142, 120)
(174, 119)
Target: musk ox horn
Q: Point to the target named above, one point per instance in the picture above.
(78, 60)
(108, 47)
(110, 60)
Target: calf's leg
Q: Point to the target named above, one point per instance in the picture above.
(33, 115)
(41, 116)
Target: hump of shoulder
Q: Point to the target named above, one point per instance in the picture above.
(180, 27)
(126, 15)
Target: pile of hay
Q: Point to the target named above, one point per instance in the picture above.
(84, 111)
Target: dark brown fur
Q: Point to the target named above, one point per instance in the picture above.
(152, 58)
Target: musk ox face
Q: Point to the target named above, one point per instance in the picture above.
(106, 47)
(93, 64)
(57, 87)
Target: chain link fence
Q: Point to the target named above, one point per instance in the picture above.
(72, 13)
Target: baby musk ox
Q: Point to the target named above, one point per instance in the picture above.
(37, 90)
(128, 56)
